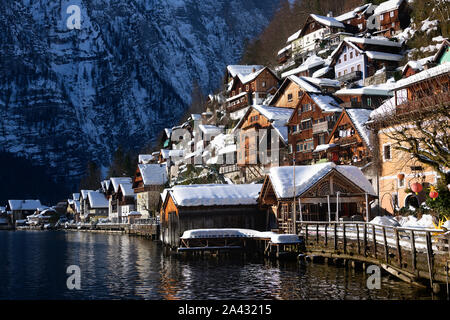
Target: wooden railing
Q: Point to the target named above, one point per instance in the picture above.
(409, 253)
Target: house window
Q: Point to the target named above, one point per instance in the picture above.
(299, 147)
(263, 84)
(360, 26)
(233, 93)
(300, 93)
(382, 16)
(299, 112)
(290, 148)
(289, 97)
(351, 55)
(340, 61)
(356, 53)
(387, 152)
(247, 88)
(339, 74)
(369, 102)
(391, 14)
(393, 24)
(240, 90)
(345, 57)
(353, 69)
(358, 67)
(395, 200)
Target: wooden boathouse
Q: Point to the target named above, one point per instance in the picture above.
(209, 206)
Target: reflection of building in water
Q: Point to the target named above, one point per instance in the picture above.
(168, 284)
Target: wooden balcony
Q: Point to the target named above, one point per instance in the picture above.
(350, 77)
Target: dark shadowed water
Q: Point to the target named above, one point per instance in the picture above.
(33, 266)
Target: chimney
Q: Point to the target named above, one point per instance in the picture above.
(253, 70)
(330, 14)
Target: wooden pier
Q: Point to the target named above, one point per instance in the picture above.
(225, 240)
(414, 255)
(150, 231)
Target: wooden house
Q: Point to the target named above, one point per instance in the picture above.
(148, 182)
(369, 97)
(114, 206)
(262, 140)
(307, 68)
(350, 141)
(323, 192)
(393, 17)
(210, 206)
(83, 203)
(250, 89)
(356, 59)
(96, 206)
(310, 125)
(20, 209)
(358, 17)
(443, 54)
(318, 32)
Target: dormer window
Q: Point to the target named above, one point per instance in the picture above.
(289, 96)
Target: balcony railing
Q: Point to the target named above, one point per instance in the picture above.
(352, 76)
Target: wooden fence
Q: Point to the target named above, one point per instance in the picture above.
(411, 254)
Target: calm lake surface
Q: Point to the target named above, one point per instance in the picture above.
(33, 266)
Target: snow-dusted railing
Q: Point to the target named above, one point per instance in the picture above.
(402, 247)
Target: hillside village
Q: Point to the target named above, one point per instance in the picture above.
(334, 132)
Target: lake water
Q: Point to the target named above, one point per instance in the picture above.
(33, 265)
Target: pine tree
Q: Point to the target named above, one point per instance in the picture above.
(91, 180)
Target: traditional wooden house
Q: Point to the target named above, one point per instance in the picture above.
(262, 140)
(393, 17)
(96, 206)
(292, 89)
(114, 208)
(148, 182)
(356, 59)
(310, 125)
(369, 97)
(318, 32)
(323, 192)
(250, 89)
(210, 206)
(443, 54)
(398, 169)
(350, 141)
(358, 17)
(83, 202)
(122, 203)
(20, 209)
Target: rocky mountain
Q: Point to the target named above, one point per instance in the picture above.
(72, 95)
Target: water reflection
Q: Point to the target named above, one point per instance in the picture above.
(115, 266)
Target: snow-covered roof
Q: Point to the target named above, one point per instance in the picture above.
(319, 73)
(127, 189)
(311, 62)
(209, 129)
(146, 158)
(274, 113)
(243, 93)
(388, 6)
(323, 147)
(288, 47)
(328, 21)
(323, 82)
(373, 90)
(105, 184)
(294, 36)
(75, 196)
(168, 132)
(153, 174)
(305, 85)
(359, 117)
(77, 206)
(352, 14)
(116, 181)
(377, 55)
(84, 193)
(422, 76)
(379, 41)
(97, 200)
(388, 106)
(307, 176)
(215, 194)
(196, 116)
(325, 102)
(15, 205)
(242, 70)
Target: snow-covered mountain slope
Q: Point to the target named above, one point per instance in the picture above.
(67, 96)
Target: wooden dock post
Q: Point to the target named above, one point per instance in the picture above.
(317, 233)
(386, 248)
(335, 237)
(374, 242)
(365, 240)
(413, 251)
(357, 237)
(345, 239)
(326, 235)
(399, 252)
